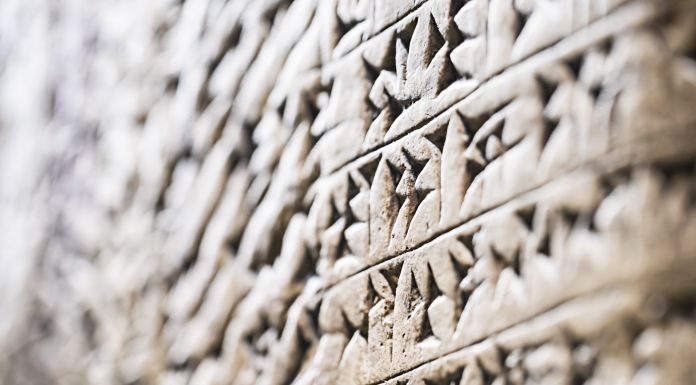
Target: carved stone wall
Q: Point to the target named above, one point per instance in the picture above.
(422, 192)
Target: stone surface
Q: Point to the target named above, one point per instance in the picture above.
(430, 192)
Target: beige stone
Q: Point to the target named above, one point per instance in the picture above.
(431, 192)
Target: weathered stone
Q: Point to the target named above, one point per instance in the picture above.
(426, 192)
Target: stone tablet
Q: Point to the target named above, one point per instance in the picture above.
(421, 192)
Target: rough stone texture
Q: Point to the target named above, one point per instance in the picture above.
(422, 192)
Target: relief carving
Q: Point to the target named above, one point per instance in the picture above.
(430, 192)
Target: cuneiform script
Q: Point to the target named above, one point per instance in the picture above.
(424, 192)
